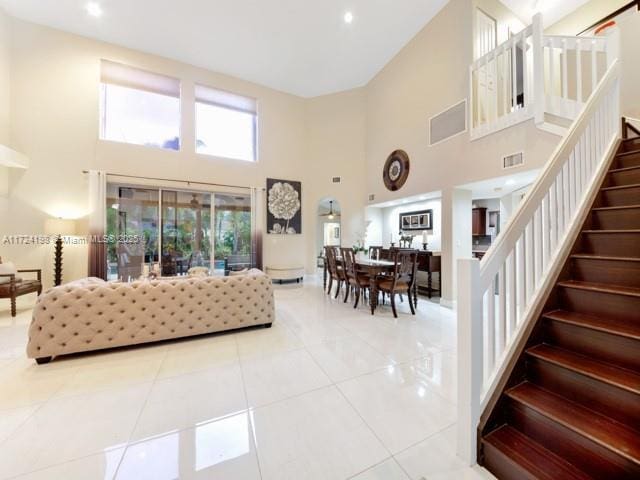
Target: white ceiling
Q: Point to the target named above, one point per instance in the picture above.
(500, 186)
(552, 10)
(302, 47)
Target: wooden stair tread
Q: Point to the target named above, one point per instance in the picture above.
(600, 429)
(620, 187)
(629, 153)
(601, 287)
(593, 256)
(612, 231)
(618, 207)
(618, 377)
(624, 169)
(531, 456)
(602, 324)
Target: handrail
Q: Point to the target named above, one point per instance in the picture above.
(498, 297)
(612, 15)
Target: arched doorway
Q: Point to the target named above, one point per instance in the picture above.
(328, 229)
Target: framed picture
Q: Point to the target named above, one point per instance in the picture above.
(420, 220)
(284, 207)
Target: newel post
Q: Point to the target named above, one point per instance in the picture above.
(537, 40)
(470, 357)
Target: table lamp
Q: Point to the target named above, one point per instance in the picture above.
(59, 227)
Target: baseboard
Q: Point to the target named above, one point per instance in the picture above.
(448, 303)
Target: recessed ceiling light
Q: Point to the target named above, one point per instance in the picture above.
(94, 9)
(348, 17)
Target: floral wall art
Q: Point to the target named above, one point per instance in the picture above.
(284, 202)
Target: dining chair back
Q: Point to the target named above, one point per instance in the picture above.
(335, 271)
(402, 278)
(356, 280)
(375, 252)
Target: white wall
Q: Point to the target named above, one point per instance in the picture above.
(335, 148)
(422, 80)
(373, 217)
(4, 106)
(4, 78)
(54, 120)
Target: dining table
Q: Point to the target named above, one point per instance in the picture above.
(375, 268)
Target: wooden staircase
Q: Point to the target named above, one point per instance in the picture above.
(571, 406)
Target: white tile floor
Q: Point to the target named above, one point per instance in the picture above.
(328, 392)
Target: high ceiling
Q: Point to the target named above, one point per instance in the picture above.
(303, 47)
(552, 10)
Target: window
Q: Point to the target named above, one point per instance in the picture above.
(225, 124)
(139, 107)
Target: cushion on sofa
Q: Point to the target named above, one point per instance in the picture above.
(8, 268)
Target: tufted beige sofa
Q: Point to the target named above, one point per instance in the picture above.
(92, 314)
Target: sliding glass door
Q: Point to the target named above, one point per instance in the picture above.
(232, 233)
(179, 229)
(186, 231)
(132, 221)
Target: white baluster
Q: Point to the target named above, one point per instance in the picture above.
(502, 311)
(487, 329)
(594, 66)
(512, 280)
(546, 233)
(537, 243)
(530, 263)
(578, 73)
(521, 275)
(514, 77)
(505, 83)
(525, 79)
(538, 68)
(565, 79)
(553, 217)
(560, 199)
(552, 71)
(494, 91)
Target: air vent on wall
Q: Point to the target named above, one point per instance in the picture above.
(513, 160)
(336, 179)
(449, 123)
(372, 197)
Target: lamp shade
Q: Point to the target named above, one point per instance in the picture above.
(60, 226)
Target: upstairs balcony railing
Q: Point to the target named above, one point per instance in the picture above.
(532, 75)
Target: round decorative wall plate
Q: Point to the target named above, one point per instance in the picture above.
(396, 170)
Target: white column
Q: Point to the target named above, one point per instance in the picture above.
(456, 238)
(470, 358)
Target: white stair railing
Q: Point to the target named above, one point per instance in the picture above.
(532, 75)
(500, 84)
(497, 297)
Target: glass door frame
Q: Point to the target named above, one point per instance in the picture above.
(249, 192)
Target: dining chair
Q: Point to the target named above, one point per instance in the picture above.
(375, 252)
(356, 279)
(336, 272)
(401, 278)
